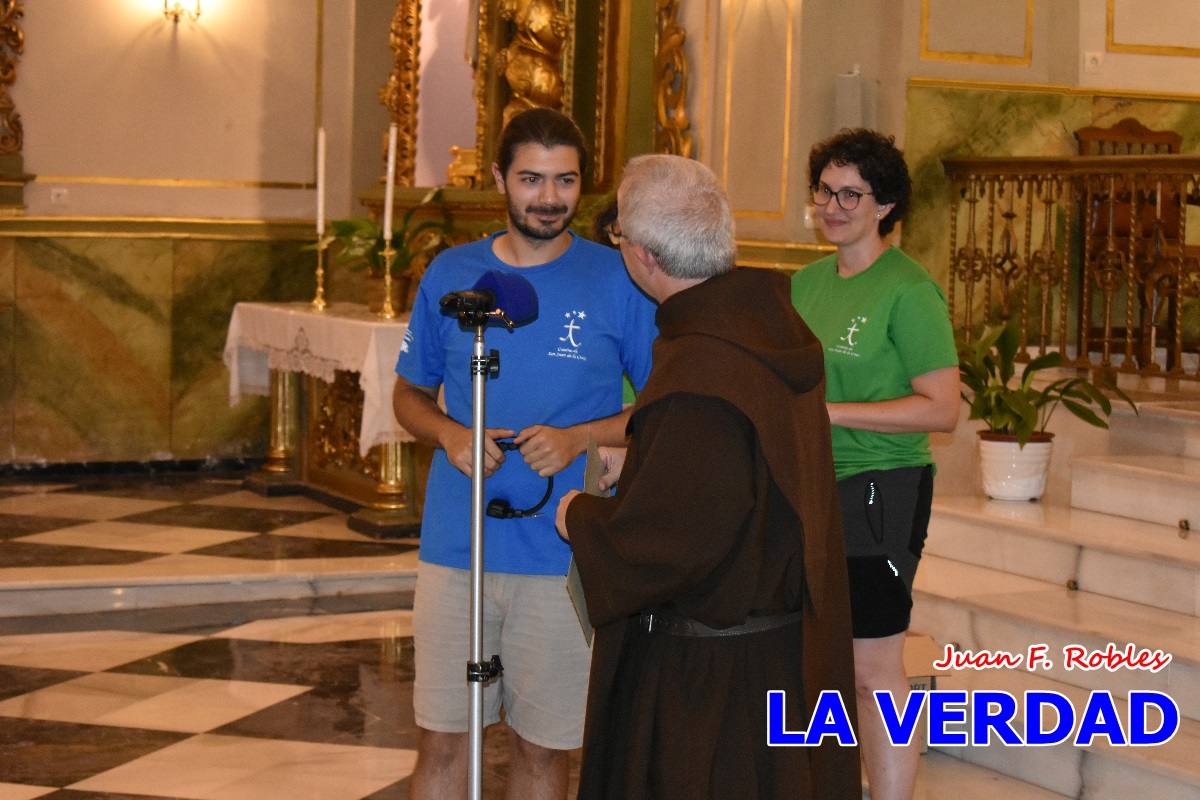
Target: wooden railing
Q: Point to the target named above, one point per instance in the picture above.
(1091, 254)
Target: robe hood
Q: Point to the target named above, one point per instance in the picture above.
(790, 351)
(715, 340)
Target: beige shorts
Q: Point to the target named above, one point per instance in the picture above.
(529, 621)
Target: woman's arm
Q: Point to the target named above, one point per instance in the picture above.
(932, 407)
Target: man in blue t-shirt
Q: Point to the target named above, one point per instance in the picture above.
(560, 385)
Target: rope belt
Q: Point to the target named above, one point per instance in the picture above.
(672, 624)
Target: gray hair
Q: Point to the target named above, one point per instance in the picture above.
(674, 207)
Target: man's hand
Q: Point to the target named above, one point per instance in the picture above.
(560, 516)
(548, 450)
(456, 441)
(614, 460)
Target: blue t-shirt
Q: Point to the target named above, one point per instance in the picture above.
(593, 326)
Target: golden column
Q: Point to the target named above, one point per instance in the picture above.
(393, 510)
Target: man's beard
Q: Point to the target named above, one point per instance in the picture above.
(527, 226)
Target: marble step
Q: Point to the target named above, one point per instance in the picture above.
(1128, 559)
(1169, 427)
(1098, 772)
(979, 608)
(1156, 488)
(941, 776)
(185, 579)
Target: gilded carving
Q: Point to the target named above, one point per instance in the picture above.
(12, 45)
(672, 132)
(483, 55)
(463, 166)
(568, 60)
(531, 63)
(338, 419)
(600, 145)
(400, 94)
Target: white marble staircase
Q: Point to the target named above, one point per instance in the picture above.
(1108, 562)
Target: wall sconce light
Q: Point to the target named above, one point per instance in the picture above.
(174, 9)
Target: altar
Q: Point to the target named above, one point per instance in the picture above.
(330, 376)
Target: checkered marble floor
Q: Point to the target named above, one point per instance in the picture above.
(112, 542)
(169, 704)
(227, 691)
(177, 637)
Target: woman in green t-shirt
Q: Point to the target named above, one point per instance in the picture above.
(891, 378)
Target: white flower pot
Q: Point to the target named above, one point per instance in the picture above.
(1012, 472)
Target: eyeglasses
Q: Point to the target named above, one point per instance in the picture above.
(847, 199)
(614, 234)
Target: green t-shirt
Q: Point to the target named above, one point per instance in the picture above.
(880, 329)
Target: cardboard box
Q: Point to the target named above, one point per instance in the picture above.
(920, 651)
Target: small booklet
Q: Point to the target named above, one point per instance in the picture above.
(593, 469)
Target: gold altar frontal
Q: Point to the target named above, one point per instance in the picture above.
(388, 483)
(314, 449)
(332, 430)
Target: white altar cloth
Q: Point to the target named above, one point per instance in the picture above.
(295, 338)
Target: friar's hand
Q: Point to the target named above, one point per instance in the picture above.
(548, 450)
(457, 444)
(614, 460)
(560, 516)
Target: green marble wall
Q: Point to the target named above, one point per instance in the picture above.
(209, 279)
(92, 336)
(110, 345)
(957, 121)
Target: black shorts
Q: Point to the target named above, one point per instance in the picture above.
(885, 515)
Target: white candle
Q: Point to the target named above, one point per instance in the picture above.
(390, 190)
(320, 182)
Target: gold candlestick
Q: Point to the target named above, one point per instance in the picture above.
(318, 302)
(387, 311)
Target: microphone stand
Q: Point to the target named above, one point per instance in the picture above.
(479, 672)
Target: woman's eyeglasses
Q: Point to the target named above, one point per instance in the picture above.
(847, 199)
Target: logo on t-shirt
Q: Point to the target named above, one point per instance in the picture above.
(850, 340)
(408, 338)
(572, 338)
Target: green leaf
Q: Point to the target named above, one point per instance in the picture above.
(986, 366)
(1084, 413)
(1006, 352)
(1041, 362)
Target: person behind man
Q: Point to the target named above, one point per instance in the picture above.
(892, 371)
(716, 573)
(560, 383)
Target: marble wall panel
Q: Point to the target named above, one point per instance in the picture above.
(210, 278)
(91, 330)
(948, 122)
(955, 121)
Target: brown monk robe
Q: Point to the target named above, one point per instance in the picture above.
(726, 511)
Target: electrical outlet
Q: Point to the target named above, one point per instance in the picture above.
(58, 196)
(1093, 60)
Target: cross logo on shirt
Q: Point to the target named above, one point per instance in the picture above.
(852, 329)
(572, 326)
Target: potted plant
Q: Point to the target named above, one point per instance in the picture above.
(1015, 446)
(360, 245)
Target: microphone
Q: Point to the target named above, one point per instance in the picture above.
(468, 301)
(501, 298)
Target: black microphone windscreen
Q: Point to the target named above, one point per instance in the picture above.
(470, 300)
(515, 296)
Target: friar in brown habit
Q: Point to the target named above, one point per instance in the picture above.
(716, 573)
